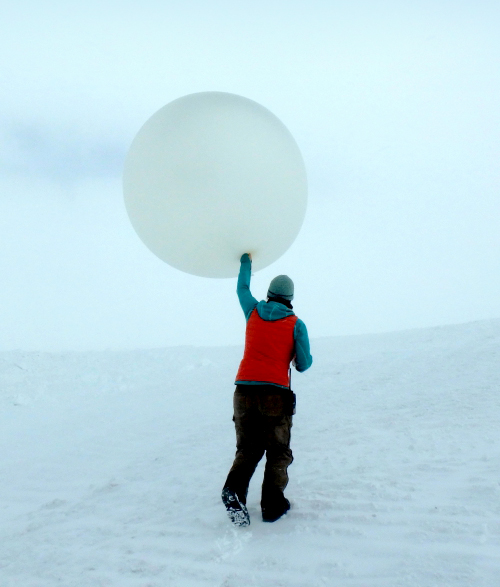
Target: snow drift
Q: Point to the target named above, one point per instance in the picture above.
(112, 465)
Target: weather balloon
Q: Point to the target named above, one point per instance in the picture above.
(211, 176)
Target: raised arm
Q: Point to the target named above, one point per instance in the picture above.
(247, 301)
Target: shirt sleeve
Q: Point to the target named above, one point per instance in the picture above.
(303, 358)
(247, 301)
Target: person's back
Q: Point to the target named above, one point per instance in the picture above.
(263, 399)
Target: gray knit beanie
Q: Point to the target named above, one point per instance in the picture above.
(281, 287)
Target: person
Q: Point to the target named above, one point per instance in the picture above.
(263, 400)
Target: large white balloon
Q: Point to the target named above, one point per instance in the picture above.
(211, 176)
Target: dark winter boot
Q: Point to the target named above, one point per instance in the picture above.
(273, 512)
(236, 510)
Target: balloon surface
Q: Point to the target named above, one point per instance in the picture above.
(211, 176)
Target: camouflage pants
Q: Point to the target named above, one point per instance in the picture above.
(263, 419)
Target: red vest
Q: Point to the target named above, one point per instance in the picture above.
(269, 348)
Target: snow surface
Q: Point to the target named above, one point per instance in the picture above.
(112, 465)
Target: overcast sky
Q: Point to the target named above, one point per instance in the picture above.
(394, 105)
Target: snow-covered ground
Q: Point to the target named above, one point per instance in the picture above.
(111, 466)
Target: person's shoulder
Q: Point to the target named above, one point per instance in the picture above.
(300, 325)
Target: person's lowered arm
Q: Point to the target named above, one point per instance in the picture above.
(303, 359)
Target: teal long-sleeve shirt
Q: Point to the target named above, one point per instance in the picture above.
(273, 311)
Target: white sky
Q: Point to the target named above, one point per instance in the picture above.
(395, 106)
